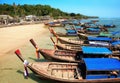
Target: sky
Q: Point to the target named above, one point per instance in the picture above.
(101, 8)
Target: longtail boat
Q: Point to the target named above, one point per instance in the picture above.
(75, 44)
(68, 33)
(72, 56)
(103, 36)
(55, 55)
(98, 70)
(109, 25)
(92, 30)
(71, 32)
(114, 45)
(73, 27)
(81, 42)
(113, 41)
(69, 41)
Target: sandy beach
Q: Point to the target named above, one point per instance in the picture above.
(14, 37)
(17, 37)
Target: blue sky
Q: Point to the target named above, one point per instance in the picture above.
(101, 8)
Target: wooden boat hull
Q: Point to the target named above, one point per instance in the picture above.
(66, 35)
(59, 55)
(69, 72)
(62, 34)
(82, 42)
(43, 74)
(71, 41)
(68, 47)
(89, 43)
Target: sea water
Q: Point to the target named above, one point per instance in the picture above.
(111, 21)
(106, 21)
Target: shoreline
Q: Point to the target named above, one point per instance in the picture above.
(20, 24)
(17, 36)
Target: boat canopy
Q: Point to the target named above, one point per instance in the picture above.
(115, 32)
(102, 64)
(91, 38)
(95, 50)
(71, 31)
(93, 29)
(77, 27)
(98, 43)
(115, 43)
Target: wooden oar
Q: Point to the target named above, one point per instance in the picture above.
(36, 47)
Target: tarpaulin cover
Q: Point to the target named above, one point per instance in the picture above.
(115, 43)
(99, 64)
(93, 29)
(78, 27)
(99, 38)
(115, 32)
(98, 43)
(95, 50)
(102, 76)
(71, 31)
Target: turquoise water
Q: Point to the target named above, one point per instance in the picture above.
(102, 21)
(107, 21)
(115, 21)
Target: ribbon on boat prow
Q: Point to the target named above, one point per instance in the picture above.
(18, 52)
(25, 68)
(37, 54)
(25, 62)
(36, 47)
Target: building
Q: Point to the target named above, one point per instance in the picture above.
(5, 19)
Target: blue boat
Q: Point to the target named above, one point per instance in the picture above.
(68, 33)
(97, 38)
(101, 68)
(91, 70)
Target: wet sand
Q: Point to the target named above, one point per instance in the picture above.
(17, 37)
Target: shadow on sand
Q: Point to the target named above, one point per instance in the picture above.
(37, 60)
(34, 77)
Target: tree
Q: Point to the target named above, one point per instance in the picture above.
(38, 10)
